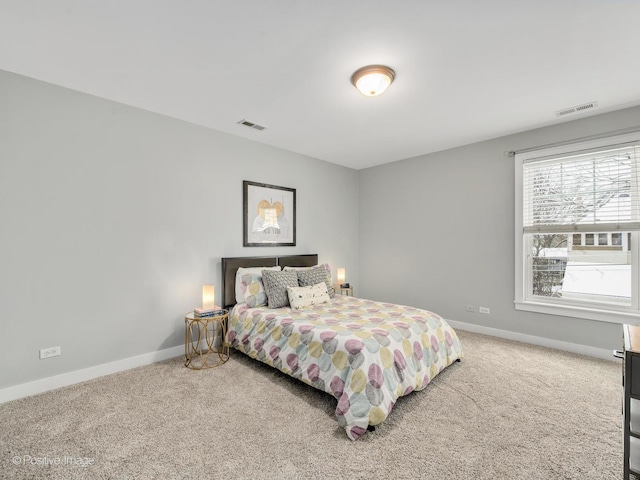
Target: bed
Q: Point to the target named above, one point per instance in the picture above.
(364, 353)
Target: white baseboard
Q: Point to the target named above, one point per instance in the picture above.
(544, 342)
(51, 383)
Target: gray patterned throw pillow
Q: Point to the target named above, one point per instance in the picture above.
(275, 285)
(313, 276)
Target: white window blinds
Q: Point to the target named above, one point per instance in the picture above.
(594, 191)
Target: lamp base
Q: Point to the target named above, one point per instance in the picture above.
(344, 285)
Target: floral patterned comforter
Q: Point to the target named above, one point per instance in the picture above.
(366, 354)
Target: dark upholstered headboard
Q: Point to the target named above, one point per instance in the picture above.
(298, 260)
(230, 266)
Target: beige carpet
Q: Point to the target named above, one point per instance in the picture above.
(508, 411)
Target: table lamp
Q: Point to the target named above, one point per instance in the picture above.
(342, 274)
(208, 297)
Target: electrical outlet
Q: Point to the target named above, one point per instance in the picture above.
(485, 310)
(470, 308)
(49, 352)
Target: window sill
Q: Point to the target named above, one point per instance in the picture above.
(601, 315)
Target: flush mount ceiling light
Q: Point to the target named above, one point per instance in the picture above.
(373, 80)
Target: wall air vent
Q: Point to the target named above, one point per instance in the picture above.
(576, 109)
(253, 125)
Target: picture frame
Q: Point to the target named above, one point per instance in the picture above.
(269, 215)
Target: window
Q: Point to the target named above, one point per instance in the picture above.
(578, 229)
(589, 239)
(577, 239)
(602, 239)
(616, 239)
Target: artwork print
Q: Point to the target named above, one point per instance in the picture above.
(269, 215)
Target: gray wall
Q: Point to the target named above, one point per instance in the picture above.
(112, 218)
(437, 232)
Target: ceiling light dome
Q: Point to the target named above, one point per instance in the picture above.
(373, 80)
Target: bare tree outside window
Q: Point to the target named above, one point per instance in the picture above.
(548, 270)
(572, 194)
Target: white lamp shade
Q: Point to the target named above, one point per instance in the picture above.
(373, 80)
(208, 296)
(373, 84)
(342, 275)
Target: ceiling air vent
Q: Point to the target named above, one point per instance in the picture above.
(576, 109)
(253, 125)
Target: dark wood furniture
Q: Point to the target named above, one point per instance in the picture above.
(631, 402)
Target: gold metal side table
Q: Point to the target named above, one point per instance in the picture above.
(205, 340)
(346, 291)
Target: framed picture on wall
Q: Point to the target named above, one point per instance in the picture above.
(269, 215)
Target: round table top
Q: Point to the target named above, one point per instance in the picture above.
(192, 315)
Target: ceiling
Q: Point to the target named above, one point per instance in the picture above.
(466, 70)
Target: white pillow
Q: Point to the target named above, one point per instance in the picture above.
(243, 271)
(301, 297)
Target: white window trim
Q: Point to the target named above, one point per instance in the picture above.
(595, 312)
